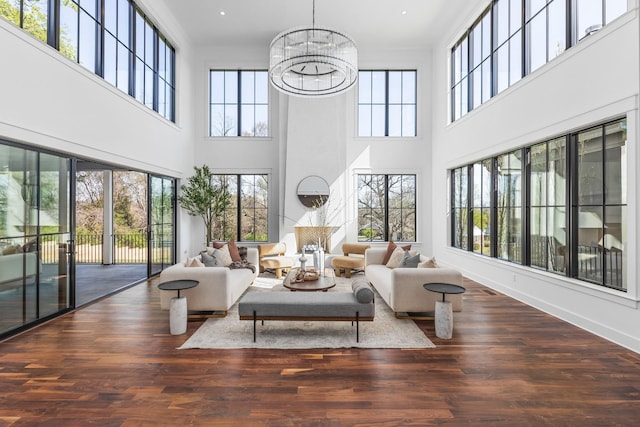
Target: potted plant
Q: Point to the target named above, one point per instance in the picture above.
(199, 197)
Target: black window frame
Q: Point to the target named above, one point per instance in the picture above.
(568, 252)
(461, 89)
(128, 84)
(387, 103)
(239, 104)
(387, 232)
(235, 212)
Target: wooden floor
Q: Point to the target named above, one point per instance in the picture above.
(114, 363)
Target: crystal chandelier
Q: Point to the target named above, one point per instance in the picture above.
(313, 61)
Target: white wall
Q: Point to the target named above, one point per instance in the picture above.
(590, 83)
(317, 137)
(51, 102)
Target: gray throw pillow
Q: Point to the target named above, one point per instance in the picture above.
(409, 261)
(210, 260)
(362, 291)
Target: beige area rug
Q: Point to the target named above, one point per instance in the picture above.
(386, 331)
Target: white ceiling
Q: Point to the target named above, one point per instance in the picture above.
(371, 23)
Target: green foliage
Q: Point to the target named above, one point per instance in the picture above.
(200, 198)
(367, 233)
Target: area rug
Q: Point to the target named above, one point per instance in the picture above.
(386, 331)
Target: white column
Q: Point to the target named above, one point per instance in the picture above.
(107, 217)
(178, 316)
(444, 319)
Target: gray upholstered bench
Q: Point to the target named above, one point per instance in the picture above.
(353, 306)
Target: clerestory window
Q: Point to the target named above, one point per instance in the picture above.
(238, 103)
(387, 103)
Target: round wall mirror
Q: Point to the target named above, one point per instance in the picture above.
(313, 191)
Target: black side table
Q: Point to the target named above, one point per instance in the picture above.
(444, 310)
(178, 307)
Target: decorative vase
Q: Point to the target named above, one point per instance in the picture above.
(318, 260)
(303, 261)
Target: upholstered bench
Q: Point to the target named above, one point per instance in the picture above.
(352, 260)
(354, 306)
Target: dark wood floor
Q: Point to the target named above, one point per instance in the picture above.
(114, 363)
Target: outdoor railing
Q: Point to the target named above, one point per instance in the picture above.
(127, 249)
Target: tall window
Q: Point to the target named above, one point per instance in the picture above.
(602, 203)
(546, 25)
(238, 103)
(509, 206)
(547, 211)
(387, 103)
(573, 218)
(386, 207)
(591, 15)
(246, 218)
(111, 38)
(482, 189)
(477, 75)
(507, 46)
(460, 207)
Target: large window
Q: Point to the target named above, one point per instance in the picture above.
(547, 195)
(111, 38)
(238, 103)
(481, 208)
(546, 25)
(477, 75)
(246, 218)
(386, 207)
(509, 206)
(573, 218)
(460, 207)
(601, 203)
(507, 46)
(387, 103)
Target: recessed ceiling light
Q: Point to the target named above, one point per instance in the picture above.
(404, 12)
(222, 13)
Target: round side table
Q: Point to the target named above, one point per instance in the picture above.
(444, 310)
(178, 307)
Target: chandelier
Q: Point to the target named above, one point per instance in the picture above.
(313, 61)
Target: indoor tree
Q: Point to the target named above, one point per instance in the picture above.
(200, 197)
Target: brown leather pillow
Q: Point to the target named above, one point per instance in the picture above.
(233, 251)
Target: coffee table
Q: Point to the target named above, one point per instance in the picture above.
(444, 310)
(178, 307)
(322, 283)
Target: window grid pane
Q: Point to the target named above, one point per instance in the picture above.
(579, 233)
(386, 207)
(387, 103)
(249, 117)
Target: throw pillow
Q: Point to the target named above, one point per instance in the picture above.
(210, 260)
(362, 291)
(395, 258)
(194, 262)
(409, 261)
(223, 255)
(430, 263)
(233, 251)
(391, 247)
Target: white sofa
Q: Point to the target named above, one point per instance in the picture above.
(401, 288)
(219, 287)
(14, 266)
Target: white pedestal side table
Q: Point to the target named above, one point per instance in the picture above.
(444, 310)
(178, 306)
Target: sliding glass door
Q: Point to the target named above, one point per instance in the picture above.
(35, 218)
(161, 223)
